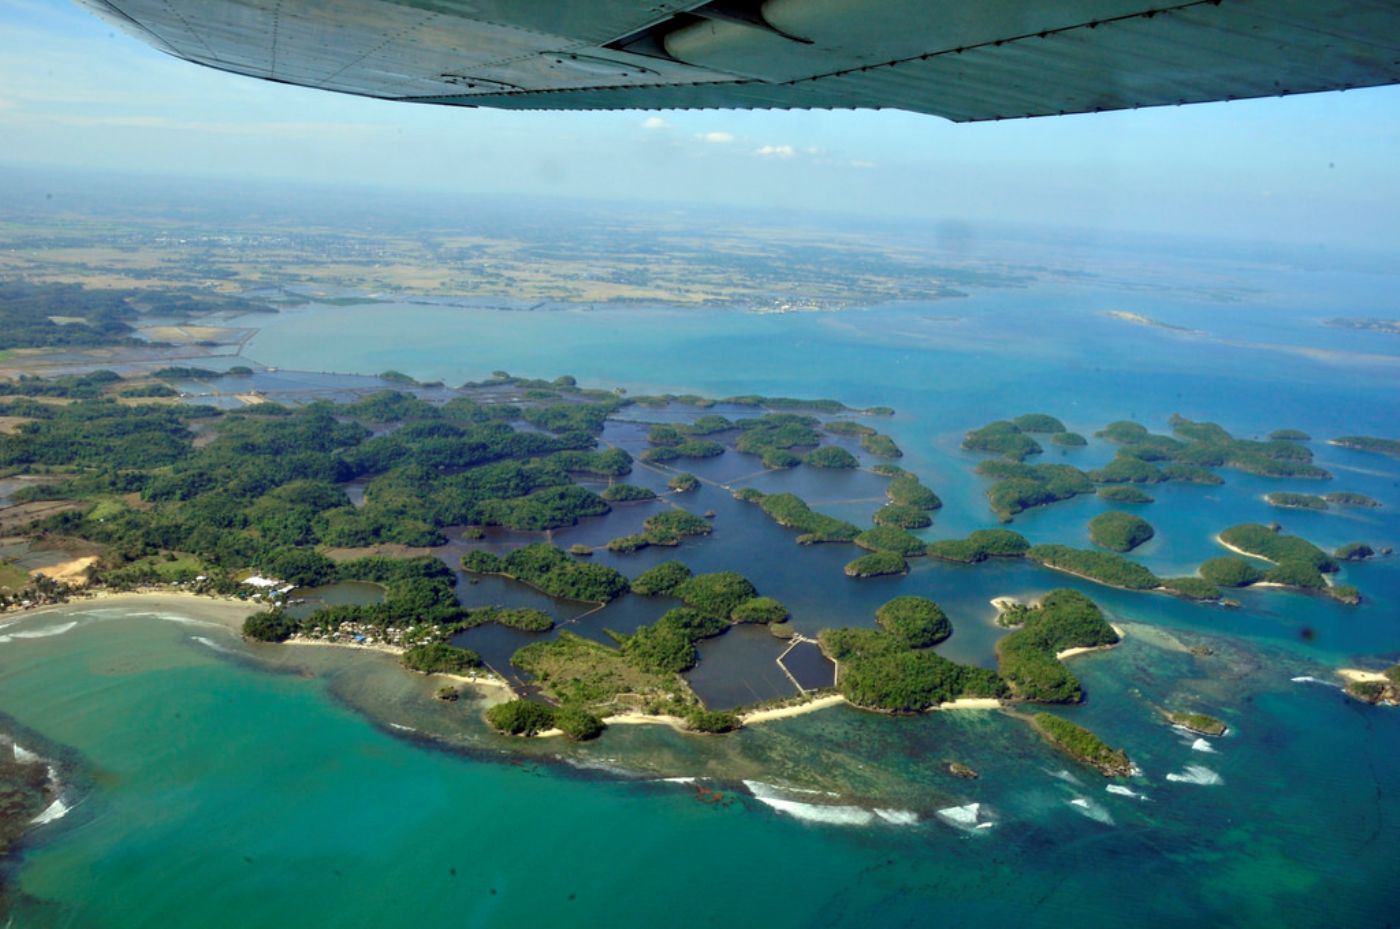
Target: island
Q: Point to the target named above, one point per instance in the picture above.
(1290, 501)
(1375, 687)
(1118, 531)
(1199, 723)
(1082, 745)
(1369, 443)
(877, 564)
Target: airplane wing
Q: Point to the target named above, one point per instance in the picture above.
(961, 59)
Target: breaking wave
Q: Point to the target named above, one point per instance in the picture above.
(1086, 807)
(1122, 791)
(54, 811)
(40, 633)
(967, 817)
(1196, 774)
(24, 755)
(1309, 679)
(1202, 745)
(780, 799)
(210, 643)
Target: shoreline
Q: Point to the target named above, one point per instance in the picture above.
(219, 606)
(1358, 676)
(1086, 649)
(1239, 551)
(491, 680)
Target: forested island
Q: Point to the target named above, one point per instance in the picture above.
(167, 493)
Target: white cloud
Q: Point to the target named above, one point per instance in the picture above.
(655, 122)
(717, 138)
(776, 151)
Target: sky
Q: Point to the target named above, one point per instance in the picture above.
(1314, 169)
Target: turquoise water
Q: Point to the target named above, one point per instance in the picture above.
(221, 785)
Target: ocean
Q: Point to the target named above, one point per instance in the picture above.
(216, 783)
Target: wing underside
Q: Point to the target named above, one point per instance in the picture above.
(960, 59)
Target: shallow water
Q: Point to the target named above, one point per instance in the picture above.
(266, 787)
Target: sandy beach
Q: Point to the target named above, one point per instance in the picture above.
(225, 611)
(1357, 676)
(1071, 652)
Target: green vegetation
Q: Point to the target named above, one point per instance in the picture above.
(550, 508)
(1275, 546)
(1082, 745)
(440, 658)
(916, 621)
(1344, 498)
(524, 618)
(979, 546)
(1120, 493)
(1296, 574)
(1038, 422)
(1021, 486)
(670, 527)
(1230, 572)
(547, 568)
(687, 448)
(27, 312)
(1002, 438)
(1068, 440)
(1064, 619)
(618, 493)
(759, 610)
(881, 446)
(1369, 443)
(777, 432)
(710, 721)
(877, 564)
(879, 671)
(1119, 532)
(1123, 432)
(1296, 501)
(1289, 435)
(1113, 570)
(715, 594)
(1127, 470)
(627, 544)
(520, 717)
(661, 580)
(792, 512)
(683, 483)
(848, 427)
(577, 723)
(1355, 551)
(779, 459)
(902, 517)
(1191, 588)
(272, 626)
(572, 670)
(831, 456)
(890, 539)
(905, 490)
(1198, 723)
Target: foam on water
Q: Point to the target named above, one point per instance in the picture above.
(833, 814)
(1309, 679)
(898, 817)
(398, 726)
(1064, 775)
(1087, 807)
(963, 817)
(54, 811)
(210, 643)
(24, 755)
(1122, 791)
(1202, 745)
(43, 633)
(678, 780)
(1196, 774)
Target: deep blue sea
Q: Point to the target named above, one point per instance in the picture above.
(218, 784)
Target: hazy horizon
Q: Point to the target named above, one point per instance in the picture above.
(1314, 169)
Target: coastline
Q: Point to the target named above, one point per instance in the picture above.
(490, 680)
(1084, 650)
(1358, 676)
(219, 609)
(1239, 551)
